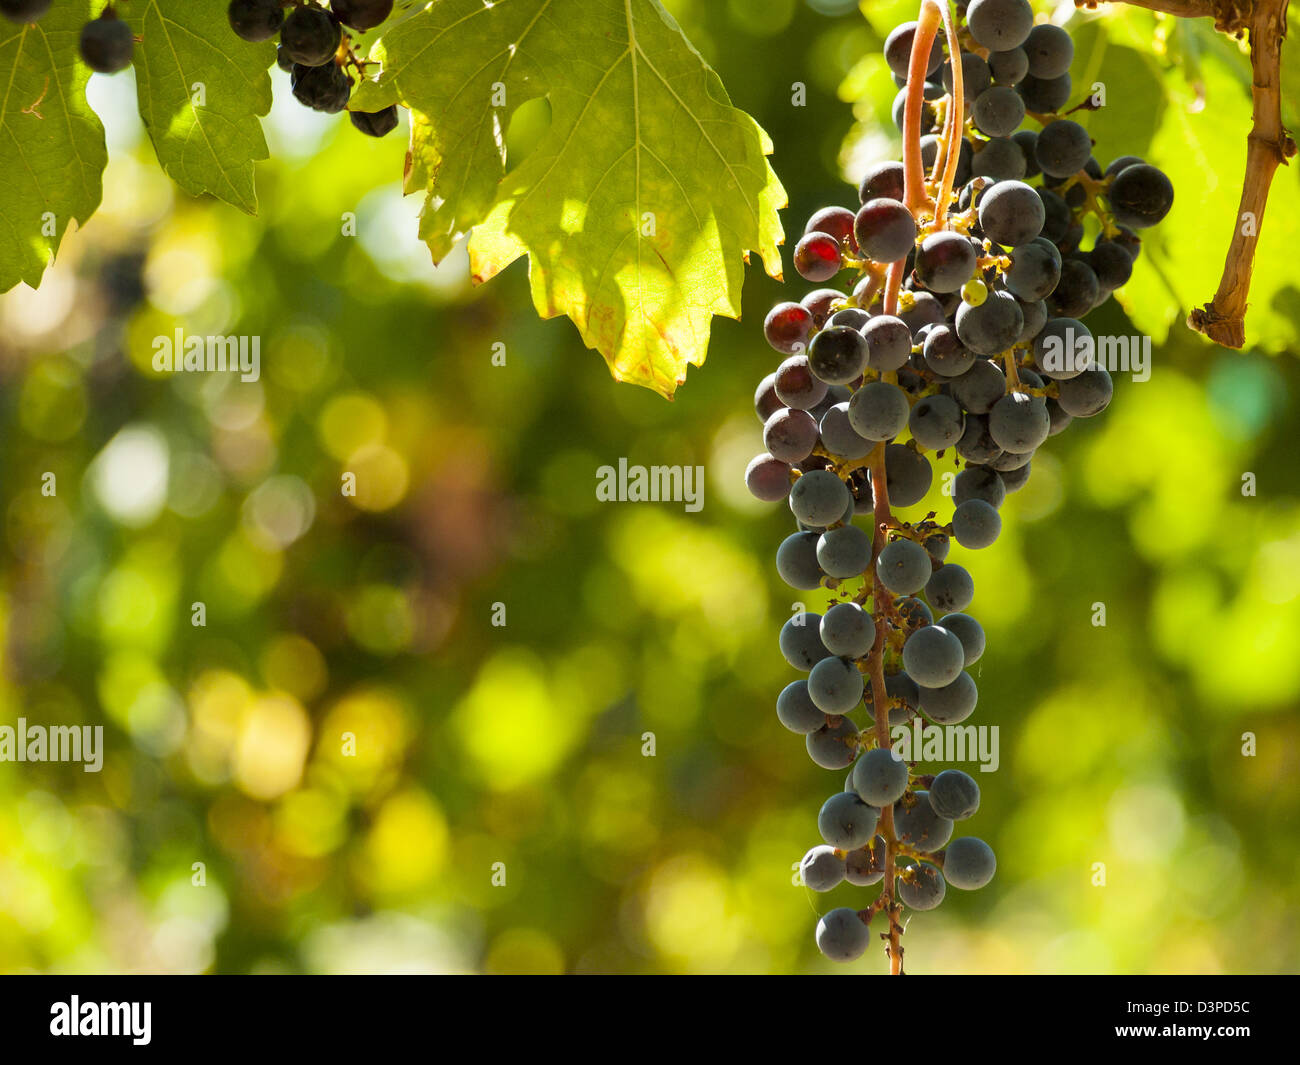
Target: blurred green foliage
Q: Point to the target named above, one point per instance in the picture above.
(375, 777)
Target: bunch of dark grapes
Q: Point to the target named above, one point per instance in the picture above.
(981, 356)
(313, 50)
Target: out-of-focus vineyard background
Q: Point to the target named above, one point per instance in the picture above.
(329, 617)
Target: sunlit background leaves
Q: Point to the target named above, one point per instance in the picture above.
(377, 778)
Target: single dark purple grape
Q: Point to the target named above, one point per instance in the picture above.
(882, 181)
(23, 11)
(1122, 163)
(1063, 349)
(1034, 270)
(1001, 159)
(1111, 263)
(1019, 423)
(1056, 215)
(1075, 292)
(945, 261)
(944, 354)
(311, 36)
(375, 123)
(1130, 242)
(766, 401)
(979, 387)
(1050, 51)
(1035, 315)
(908, 475)
(993, 326)
(1014, 480)
(768, 478)
(1063, 148)
(107, 43)
(1008, 67)
(1140, 196)
(255, 20)
(821, 304)
(837, 355)
(1011, 213)
(790, 435)
(998, 111)
(835, 222)
(1087, 394)
(898, 50)
(975, 76)
(797, 386)
(885, 230)
(361, 14)
(853, 317)
(925, 310)
(1045, 96)
(889, 342)
(929, 118)
(1027, 140)
(1000, 24)
(324, 88)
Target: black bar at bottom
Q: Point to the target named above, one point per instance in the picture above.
(300, 1014)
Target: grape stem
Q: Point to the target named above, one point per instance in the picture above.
(927, 26)
(880, 599)
(950, 153)
(917, 200)
(1268, 146)
(1013, 375)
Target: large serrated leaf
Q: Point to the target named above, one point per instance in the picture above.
(52, 151)
(202, 91)
(638, 207)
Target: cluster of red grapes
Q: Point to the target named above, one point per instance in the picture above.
(958, 337)
(314, 51)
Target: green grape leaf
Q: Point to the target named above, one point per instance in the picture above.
(201, 93)
(640, 204)
(52, 150)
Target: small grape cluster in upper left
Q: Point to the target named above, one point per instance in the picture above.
(314, 52)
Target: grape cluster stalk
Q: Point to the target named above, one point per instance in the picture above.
(959, 339)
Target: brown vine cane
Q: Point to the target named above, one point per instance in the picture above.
(1268, 146)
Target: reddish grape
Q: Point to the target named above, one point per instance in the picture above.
(835, 222)
(822, 303)
(817, 257)
(796, 386)
(766, 401)
(768, 478)
(787, 327)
